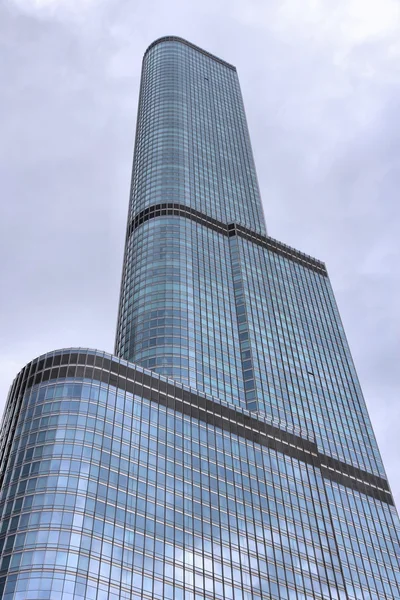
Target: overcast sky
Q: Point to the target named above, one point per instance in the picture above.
(321, 86)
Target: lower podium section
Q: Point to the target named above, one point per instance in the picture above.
(120, 484)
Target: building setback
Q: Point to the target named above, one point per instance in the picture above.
(225, 451)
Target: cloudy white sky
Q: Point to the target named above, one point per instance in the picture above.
(321, 85)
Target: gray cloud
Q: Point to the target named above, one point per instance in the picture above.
(321, 90)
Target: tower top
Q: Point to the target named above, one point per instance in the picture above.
(174, 38)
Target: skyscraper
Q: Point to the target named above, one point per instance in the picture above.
(225, 451)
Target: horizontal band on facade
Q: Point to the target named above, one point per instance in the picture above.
(103, 369)
(174, 38)
(231, 229)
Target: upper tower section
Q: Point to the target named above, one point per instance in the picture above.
(192, 142)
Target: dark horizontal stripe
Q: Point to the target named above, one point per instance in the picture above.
(231, 229)
(350, 471)
(281, 249)
(177, 210)
(173, 38)
(358, 486)
(99, 368)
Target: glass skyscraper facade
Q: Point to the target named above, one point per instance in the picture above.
(225, 450)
